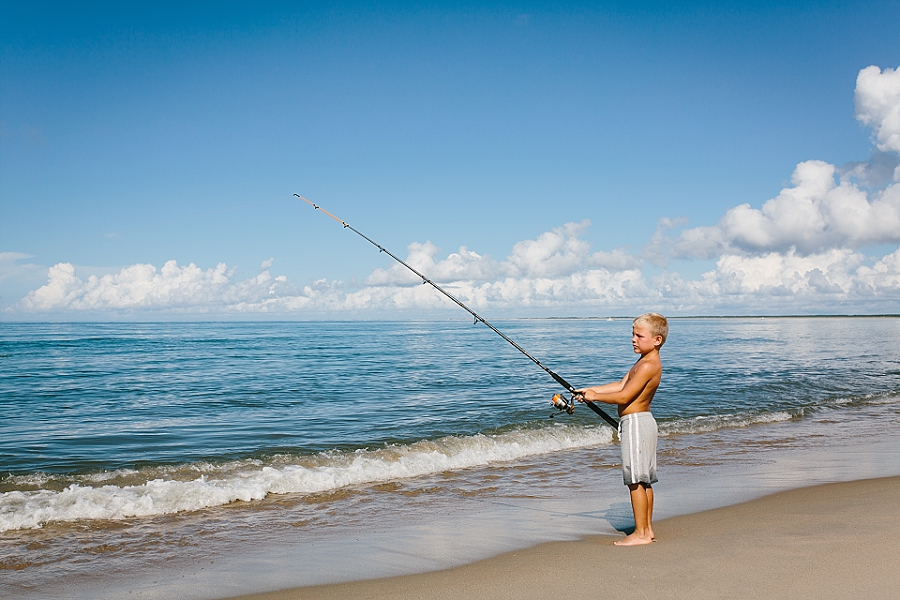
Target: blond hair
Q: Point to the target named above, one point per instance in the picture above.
(656, 323)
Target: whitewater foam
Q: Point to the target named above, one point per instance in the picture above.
(253, 480)
(709, 423)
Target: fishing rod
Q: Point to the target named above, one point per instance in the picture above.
(560, 402)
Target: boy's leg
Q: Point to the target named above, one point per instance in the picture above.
(641, 506)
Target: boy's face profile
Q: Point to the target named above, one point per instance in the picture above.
(642, 340)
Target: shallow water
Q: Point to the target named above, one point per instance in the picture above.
(183, 454)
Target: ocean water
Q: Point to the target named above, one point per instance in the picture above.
(141, 455)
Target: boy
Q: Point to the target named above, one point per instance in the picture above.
(637, 427)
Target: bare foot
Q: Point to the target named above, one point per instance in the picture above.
(634, 540)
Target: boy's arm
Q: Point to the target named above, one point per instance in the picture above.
(628, 389)
(615, 386)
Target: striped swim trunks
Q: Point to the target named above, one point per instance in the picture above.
(637, 434)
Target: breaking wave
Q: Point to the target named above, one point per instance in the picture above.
(36, 499)
(708, 423)
(166, 490)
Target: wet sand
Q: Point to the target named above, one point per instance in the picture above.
(839, 540)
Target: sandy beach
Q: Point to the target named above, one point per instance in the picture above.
(831, 541)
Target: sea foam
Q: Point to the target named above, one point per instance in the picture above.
(708, 423)
(254, 480)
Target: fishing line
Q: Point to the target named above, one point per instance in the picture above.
(561, 403)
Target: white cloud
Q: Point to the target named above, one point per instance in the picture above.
(832, 272)
(816, 214)
(144, 287)
(463, 264)
(617, 260)
(878, 105)
(838, 280)
(553, 253)
(555, 268)
(881, 278)
(752, 283)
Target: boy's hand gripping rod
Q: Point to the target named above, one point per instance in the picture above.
(558, 402)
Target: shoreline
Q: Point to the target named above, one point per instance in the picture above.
(834, 540)
(410, 529)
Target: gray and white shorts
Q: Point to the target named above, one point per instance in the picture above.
(637, 434)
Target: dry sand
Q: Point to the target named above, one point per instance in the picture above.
(838, 540)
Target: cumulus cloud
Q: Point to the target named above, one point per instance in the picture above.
(144, 287)
(781, 274)
(814, 282)
(552, 254)
(816, 214)
(557, 267)
(877, 101)
(839, 279)
(616, 260)
(463, 264)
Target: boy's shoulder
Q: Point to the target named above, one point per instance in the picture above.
(649, 364)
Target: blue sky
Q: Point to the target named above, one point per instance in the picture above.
(588, 159)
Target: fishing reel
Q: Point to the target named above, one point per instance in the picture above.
(562, 403)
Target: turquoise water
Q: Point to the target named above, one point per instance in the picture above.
(117, 436)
